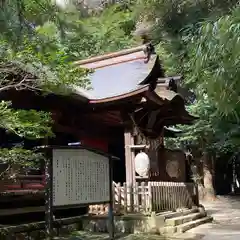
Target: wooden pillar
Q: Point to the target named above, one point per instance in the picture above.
(130, 168)
(133, 154)
(129, 157)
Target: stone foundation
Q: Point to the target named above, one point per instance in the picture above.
(134, 223)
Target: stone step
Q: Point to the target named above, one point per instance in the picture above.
(189, 225)
(168, 215)
(168, 231)
(183, 219)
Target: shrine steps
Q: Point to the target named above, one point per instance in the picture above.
(166, 223)
(181, 224)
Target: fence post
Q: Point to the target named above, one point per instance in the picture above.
(161, 197)
(197, 194)
(125, 198)
(136, 196)
(143, 196)
(170, 196)
(149, 197)
(131, 197)
(118, 199)
(175, 195)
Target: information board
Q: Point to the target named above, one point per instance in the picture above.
(80, 176)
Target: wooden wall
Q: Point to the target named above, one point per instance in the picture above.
(171, 166)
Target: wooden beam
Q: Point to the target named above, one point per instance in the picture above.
(111, 55)
(130, 172)
(167, 79)
(133, 158)
(142, 146)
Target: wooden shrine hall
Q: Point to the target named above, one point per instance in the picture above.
(129, 109)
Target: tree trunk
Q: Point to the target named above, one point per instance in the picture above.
(209, 192)
(197, 175)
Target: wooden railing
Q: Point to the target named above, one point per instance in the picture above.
(147, 197)
(135, 198)
(173, 195)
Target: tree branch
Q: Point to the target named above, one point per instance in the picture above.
(16, 86)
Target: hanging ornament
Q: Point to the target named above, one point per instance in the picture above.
(142, 164)
(172, 168)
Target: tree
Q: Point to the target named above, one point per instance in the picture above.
(38, 43)
(215, 73)
(215, 55)
(33, 57)
(193, 39)
(102, 32)
(200, 40)
(197, 39)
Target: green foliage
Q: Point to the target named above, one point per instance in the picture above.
(200, 40)
(213, 72)
(197, 39)
(38, 42)
(215, 61)
(19, 156)
(211, 132)
(41, 61)
(18, 160)
(34, 57)
(170, 19)
(25, 123)
(107, 31)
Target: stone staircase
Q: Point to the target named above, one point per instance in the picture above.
(180, 222)
(165, 223)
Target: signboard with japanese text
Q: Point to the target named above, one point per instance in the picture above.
(79, 176)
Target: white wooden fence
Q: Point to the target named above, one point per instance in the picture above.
(150, 196)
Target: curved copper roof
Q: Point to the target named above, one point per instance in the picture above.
(129, 76)
(119, 73)
(134, 92)
(159, 96)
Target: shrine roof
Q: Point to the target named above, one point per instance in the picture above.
(161, 94)
(121, 72)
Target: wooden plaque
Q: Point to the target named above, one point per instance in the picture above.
(80, 176)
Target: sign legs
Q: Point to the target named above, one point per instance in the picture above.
(48, 199)
(111, 199)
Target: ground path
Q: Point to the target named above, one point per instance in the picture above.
(226, 225)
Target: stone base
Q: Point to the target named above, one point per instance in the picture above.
(162, 223)
(134, 223)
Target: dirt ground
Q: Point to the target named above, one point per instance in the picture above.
(92, 236)
(226, 225)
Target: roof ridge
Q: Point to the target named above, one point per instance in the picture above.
(113, 55)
